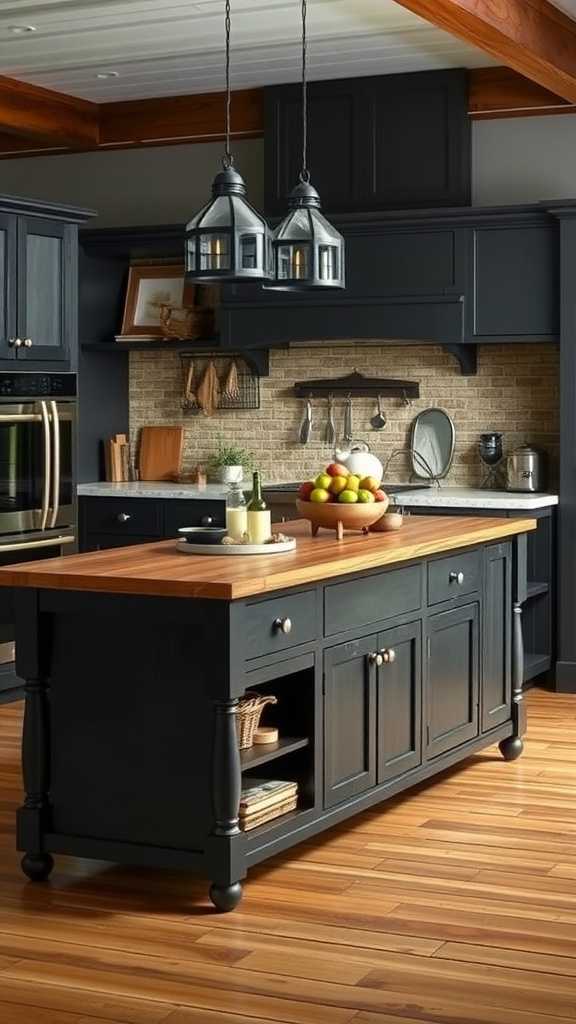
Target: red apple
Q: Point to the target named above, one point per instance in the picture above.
(305, 490)
(380, 495)
(335, 469)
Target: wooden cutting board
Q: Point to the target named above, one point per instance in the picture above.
(160, 456)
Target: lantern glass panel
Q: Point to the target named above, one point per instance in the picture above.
(214, 251)
(218, 214)
(250, 250)
(191, 255)
(328, 263)
(293, 262)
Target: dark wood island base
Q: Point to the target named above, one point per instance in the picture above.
(392, 657)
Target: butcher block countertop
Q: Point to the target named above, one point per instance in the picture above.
(158, 569)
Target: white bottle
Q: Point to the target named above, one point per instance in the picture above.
(236, 513)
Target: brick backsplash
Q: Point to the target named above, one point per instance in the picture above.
(515, 391)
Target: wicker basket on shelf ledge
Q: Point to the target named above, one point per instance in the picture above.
(248, 713)
(184, 323)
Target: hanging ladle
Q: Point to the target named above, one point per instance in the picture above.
(379, 421)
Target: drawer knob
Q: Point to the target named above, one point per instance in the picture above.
(388, 655)
(207, 521)
(27, 342)
(283, 626)
(376, 659)
(15, 342)
(456, 577)
(123, 517)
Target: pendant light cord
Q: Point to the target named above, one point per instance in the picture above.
(304, 173)
(228, 158)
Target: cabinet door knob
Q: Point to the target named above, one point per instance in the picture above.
(283, 626)
(123, 517)
(27, 342)
(207, 521)
(388, 655)
(376, 659)
(456, 577)
(15, 342)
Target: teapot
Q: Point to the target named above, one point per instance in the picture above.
(359, 460)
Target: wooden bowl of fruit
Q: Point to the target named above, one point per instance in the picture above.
(338, 500)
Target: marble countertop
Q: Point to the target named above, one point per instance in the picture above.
(153, 489)
(472, 497)
(430, 497)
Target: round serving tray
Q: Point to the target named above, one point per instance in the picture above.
(237, 549)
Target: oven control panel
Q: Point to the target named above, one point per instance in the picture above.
(37, 385)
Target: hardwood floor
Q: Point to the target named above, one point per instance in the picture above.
(455, 904)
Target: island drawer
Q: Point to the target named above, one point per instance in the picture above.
(372, 599)
(454, 576)
(276, 625)
(189, 512)
(117, 516)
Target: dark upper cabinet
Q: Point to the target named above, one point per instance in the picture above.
(453, 646)
(47, 288)
(388, 142)
(8, 248)
(349, 720)
(515, 281)
(497, 654)
(38, 281)
(399, 701)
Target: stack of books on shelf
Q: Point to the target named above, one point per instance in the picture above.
(265, 799)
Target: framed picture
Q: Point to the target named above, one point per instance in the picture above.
(149, 288)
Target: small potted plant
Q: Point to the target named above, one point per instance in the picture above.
(229, 462)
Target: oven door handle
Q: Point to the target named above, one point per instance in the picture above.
(47, 465)
(56, 476)
(27, 545)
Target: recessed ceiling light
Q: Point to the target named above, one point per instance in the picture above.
(108, 74)
(21, 30)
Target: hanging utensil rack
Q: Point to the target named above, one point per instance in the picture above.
(248, 380)
(356, 385)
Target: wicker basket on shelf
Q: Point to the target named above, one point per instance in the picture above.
(248, 714)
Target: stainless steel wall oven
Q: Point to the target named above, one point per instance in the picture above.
(37, 474)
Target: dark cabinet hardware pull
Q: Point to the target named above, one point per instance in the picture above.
(207, 521)
(283, 626)
(388, 655)
(456, 577)
(123, 517)
(27, 342)
(15, 342)
(376, 659)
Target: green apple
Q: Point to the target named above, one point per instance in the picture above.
(320, 495)
(353, 483)
(348, 497)
(365, 496)
(323, 481)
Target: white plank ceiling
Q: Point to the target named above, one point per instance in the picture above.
(169, 47)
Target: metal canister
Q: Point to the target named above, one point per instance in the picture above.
(525, 470)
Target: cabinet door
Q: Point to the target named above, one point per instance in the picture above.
(452, 678)
(399, 701)
(7, 286)
(46, 286)
(516, 281)
(497, 630)
(349, 720)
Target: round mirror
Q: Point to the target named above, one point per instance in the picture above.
(432, 442)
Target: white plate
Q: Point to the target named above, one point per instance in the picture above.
(237, 549)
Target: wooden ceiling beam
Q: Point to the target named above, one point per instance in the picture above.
(494, 92)
(502, 92)
(43, 116)
(197, 118)
(531, 36)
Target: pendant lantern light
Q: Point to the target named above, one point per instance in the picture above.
(228, 240)
(308, 252)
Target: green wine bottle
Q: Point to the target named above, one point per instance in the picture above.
(259, 518)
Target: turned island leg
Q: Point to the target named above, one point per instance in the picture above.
(512, 746)
(36, 863)
(226, 789)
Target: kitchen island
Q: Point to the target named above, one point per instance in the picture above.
(392, 656)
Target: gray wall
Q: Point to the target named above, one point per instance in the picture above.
(159, 185)
(515, 160)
